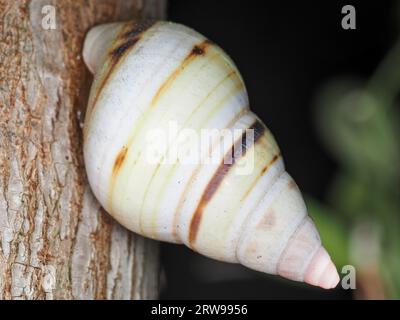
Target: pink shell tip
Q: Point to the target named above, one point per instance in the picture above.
(322, 272)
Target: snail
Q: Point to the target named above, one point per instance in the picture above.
(150, 74)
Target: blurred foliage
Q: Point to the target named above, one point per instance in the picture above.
(333, 232)
(359, 123)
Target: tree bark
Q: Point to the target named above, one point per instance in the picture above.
(55, 240)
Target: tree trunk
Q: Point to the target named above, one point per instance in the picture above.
(55, 240)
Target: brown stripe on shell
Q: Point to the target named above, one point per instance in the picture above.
(129, 38)
(136, 28)
(198, 50)
(119, 160)
(195, 174)
(118, 52)
(264, 169)
(229, 160)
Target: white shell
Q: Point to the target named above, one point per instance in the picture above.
(151, 77)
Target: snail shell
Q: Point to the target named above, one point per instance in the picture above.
(149, 75)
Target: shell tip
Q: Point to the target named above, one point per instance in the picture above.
(322, 271)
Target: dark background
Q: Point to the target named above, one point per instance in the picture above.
(285, 51)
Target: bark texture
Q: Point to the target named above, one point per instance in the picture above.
(55, 240)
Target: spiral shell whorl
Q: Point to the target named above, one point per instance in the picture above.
(154, 74)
